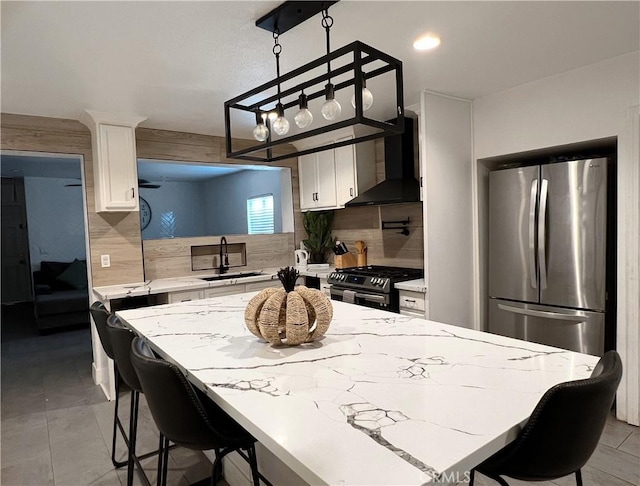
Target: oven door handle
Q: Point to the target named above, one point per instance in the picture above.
(370, 297)
(360, 295)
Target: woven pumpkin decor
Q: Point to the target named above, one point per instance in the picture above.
(289, 316)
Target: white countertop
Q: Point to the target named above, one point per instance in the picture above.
(381, 399)
(418, 285)
(162, 285)
(319, 272)
(177, 284)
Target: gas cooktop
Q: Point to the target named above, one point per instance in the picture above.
(384, 272)
(373, 277)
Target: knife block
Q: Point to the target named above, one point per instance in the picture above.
(345, 261)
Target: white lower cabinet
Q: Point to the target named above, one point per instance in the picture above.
(184, 296)
(265, 284)
(187, 295)
(413, 303)
(325, 288)
(225, 290)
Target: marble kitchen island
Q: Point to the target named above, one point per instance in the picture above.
(381, 399)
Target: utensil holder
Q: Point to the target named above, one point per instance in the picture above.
(362, 259)
(345, 261)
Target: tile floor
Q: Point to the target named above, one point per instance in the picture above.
(56, 424)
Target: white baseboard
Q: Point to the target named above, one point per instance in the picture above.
(99, 376)
(95, 374)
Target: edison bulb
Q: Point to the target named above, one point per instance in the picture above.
(303, 118)
(331, 109)
(261, 132)
(281, 125)
(367, 99)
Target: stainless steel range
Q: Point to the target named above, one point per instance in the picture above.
(371, 286)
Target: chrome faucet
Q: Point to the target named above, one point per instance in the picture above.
(224, 264)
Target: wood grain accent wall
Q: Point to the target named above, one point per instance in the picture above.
(118, 234)
(172, 257)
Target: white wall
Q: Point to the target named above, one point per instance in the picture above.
(447, 198)
(55, 216)
(584, 104)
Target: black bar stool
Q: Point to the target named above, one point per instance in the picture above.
(100, 315)
(121, 338)
(187, 417)
(563, 430)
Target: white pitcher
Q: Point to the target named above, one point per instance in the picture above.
(301, 259)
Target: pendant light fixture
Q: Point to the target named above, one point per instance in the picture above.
(261, 132)
(367, 97)
(280, 124)
(347, 71)
(304, 117)
(331, 109)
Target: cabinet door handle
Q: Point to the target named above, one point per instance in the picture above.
(351, 191)
(420, 181)
(133, 193)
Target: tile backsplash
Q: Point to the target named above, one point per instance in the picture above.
(384, 247)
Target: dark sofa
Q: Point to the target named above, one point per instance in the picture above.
(61, 297)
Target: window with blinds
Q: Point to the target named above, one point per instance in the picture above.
(260, 215)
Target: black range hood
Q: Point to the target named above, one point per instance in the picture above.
(400, 184)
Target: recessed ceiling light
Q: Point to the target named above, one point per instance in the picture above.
(426, 42)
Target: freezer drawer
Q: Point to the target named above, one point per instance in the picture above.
(580, 331)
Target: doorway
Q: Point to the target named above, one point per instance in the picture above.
(43, 219)
(16, 272)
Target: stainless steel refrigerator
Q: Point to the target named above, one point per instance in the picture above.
(547, 254)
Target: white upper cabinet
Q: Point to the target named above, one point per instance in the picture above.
(346, 173)
(317, 180)
(330, 178)
(115, 170)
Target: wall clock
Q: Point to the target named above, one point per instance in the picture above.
(145, 213)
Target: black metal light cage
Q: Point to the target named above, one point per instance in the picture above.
(359, 56)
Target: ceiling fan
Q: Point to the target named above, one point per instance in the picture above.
(142, 183)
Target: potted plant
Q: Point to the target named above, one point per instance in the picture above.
(318, 225)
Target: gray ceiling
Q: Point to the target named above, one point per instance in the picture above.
(177, 62)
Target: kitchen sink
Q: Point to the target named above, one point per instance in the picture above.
(227, 276)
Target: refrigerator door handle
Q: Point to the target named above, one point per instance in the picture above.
(576, 316)
(532, 234)
(542, 225)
